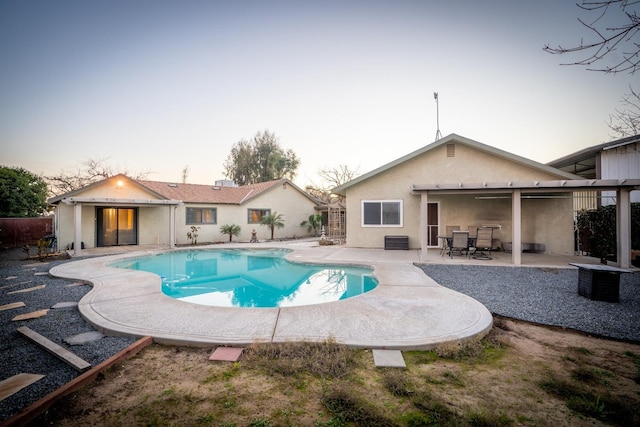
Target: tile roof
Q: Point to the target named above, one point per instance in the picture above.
(198, 193)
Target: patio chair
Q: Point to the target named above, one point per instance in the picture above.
(448, 234)
(459, 243)
(473, 231)
(484, 242)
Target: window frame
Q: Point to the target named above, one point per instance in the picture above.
(265, 212)
(381, 202)
(201, 222)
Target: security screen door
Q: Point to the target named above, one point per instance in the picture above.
(433, 224)
(116, 226)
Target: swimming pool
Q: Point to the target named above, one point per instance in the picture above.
(251, 278)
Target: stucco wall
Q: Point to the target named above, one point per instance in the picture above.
(110, 189)
(294, 207)
(154, 220)
(470, 165)
(153, 225)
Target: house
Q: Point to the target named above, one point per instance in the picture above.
(618, 159)
(124, 211)
(458, 181)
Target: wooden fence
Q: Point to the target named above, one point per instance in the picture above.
(17, 232)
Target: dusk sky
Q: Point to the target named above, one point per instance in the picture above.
(159, 85)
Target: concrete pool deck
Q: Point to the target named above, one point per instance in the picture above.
(407, 310)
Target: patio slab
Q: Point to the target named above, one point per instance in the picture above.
(407, 310)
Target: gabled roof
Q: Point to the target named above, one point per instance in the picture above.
(196, 193)
(57, 199)
(460, 140)
(213, 194)
(583, 162)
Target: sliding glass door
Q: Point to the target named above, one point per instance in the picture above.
(116, 226)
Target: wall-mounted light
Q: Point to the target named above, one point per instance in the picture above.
(119, 184)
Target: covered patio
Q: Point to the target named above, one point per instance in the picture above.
(516, 192)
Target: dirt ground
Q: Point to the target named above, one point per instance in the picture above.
(524, 374)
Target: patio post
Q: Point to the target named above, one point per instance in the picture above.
(516, 228)
(623, 227)
(172, 226)
(77, 228)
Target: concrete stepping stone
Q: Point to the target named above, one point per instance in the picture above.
(388, 359)
(12, 305)
(66, 304)
(83, 338)
(41, 273)
(10, 277)
(35, 288)
(31, 315)
(226, 354)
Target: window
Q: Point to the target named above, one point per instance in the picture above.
(255, 215)
(202, 216)
(377, 213)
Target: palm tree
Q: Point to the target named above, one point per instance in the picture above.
(313, 224)
(231, 230)
(273, 220)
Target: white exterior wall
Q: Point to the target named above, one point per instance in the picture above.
(554, 227)
(619, 163)
(154, 225)
(294, 206)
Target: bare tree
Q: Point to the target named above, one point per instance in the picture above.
(331, 178)
(615, 47)
(92, 170)
(626, 122)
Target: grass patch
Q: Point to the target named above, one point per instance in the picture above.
(581, 350)
(486, 350)
(397, 382)
(592, 376)
(347, 407)
(636, 360)
(606, 408)
(324, 359)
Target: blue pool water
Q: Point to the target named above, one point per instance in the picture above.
(251, 278)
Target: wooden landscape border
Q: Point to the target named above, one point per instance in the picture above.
(29, 413)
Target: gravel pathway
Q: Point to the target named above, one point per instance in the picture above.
(545, 295)
(19, 354)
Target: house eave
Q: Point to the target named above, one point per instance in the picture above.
(114, 201)
(529, 186)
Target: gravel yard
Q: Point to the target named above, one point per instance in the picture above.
(548, 296)
(19, 354)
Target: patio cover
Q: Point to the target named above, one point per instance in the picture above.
(78, 202)
(517, 190)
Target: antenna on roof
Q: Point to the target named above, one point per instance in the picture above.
(438, 134)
